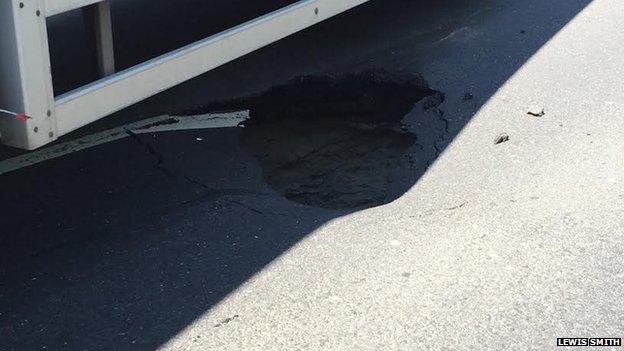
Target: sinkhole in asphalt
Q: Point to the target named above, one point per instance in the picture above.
(336, 142)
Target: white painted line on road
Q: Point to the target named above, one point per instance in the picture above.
(150, 125)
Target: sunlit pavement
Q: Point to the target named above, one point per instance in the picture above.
(493, 246)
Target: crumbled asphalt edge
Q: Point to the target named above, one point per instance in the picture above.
(339, 142)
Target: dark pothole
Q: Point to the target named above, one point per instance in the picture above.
(335, 142)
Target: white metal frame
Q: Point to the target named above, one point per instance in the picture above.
(26, 80)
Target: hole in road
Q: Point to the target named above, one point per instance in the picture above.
(334, 142)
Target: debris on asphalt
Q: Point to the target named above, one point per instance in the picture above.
(468, 96)
(536, 112)
(502, 138)
(226, 321)
(458, 206)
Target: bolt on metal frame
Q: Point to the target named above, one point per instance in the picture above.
(26, 79)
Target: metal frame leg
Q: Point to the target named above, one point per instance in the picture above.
(99, 25)
(25, 74)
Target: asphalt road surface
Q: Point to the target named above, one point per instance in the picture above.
(183, 241)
